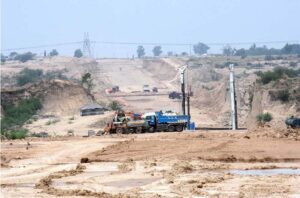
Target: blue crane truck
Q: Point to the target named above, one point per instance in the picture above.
(152, 122)
(166, 122)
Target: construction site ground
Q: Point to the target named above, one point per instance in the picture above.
(188, 164)
(213, 163)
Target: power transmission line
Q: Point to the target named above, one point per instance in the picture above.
(42, 46)
(147, 43)
(87, 45)
(189, 44)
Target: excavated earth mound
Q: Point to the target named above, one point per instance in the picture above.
(59, 97)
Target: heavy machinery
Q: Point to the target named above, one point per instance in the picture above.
(150, 122)
(126, 123)
(293, 122)
(166, 121)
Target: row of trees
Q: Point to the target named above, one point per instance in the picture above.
(264, 50)
(24, 57)
(199, 48)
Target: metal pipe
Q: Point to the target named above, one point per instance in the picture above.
(182, 80)
(183, 98)
(233, 100)
(188, 110)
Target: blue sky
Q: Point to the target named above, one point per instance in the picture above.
(39, 22)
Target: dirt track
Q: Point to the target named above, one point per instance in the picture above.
(149, 165)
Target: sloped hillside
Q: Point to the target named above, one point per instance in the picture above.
(58, 97)
(280, 98)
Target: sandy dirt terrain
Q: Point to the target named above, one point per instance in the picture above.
(25, 167)
(205, 164)
(78, 125)
(263, 163)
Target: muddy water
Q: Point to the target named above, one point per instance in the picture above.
(131, 182)
(279, 171)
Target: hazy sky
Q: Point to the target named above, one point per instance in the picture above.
(27, 23)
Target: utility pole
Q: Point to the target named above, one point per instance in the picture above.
(188, 109)
(87, 45)
(182, 69)
(233, 98)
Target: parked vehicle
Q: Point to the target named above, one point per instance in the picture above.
(175, 95)
(146, 88)
(154, 89)
(111, 90)
(293, 122)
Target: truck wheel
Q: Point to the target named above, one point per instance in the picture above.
(151, 130)
(179, 128)
(130, 130)
(119, 130)
(138, 130)
(171, 128)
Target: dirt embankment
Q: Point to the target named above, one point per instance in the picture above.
(160, 69)
(225, 147)
(267, 98)
(59, 97)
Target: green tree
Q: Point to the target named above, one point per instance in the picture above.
(140, 51)
(157, 51)
(170, 53)
(291, 49)
(13, 55)
(29, 76)
(241, 52)
(78, 53)
(17, 115)
(3, 59)
(200, 48)
(115, 105)
(53, 52)
(25, 57)
(228, 50)
(87, 81)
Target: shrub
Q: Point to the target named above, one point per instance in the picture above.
(220, 66)
(17, 134)
(269, 58)
(49, 122)
(282, 95)
(25, 57)
(293, 64)
(55, 74)
(277, 74)
(115, 105)
(29, 76)
(264, 117)
(17, 115)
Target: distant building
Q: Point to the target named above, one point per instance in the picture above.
(92, 109)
